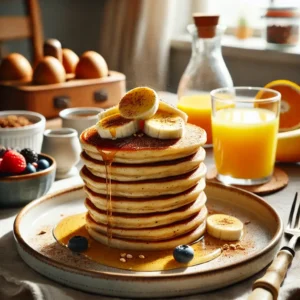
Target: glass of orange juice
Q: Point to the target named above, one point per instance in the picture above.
(244, 127)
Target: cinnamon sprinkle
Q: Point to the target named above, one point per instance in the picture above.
(225, 221)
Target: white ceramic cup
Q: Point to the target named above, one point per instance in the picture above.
(63, 145)
(80, 118)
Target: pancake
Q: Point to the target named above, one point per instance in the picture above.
(131, 244)
(148, 205)
(135, 172)
(144, 192)
(140, 148)
(150, 220)
(146, 188)
(152, 234)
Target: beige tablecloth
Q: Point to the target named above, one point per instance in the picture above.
(19, 282)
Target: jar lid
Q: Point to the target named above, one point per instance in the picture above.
(206, 24)
(282, 12)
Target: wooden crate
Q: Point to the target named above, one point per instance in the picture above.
(50, 99)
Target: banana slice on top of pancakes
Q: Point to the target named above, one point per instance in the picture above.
(161, 120)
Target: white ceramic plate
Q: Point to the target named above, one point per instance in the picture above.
(42, 253)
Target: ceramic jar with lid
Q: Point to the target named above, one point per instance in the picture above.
(282, 25)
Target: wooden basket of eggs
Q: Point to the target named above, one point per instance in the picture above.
(59, 80)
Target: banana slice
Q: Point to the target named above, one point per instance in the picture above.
(108, 112)
(165, 125)
(224, 227)
(139, 103)
(170, 108)
(115, 126)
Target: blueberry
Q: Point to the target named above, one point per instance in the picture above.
(43, 164)
(183, 253)
(78, 243)
(30, 169)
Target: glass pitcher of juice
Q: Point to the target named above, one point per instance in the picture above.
(205, 72)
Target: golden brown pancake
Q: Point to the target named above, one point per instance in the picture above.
(145, 188)
(153, 234)
(135, 172)
(150, 220)
(140, 148)
(148, 205)
(122, 243)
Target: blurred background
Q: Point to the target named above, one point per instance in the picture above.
(147, 39)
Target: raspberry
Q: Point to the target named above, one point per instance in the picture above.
(13, 162)
(30, 155)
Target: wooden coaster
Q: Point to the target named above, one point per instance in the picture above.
(278, 181)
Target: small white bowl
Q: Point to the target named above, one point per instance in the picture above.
(29, 136)
(79, 118)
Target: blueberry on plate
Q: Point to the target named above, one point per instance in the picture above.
(183, 254)
(78, 243)
(43, 164)
(30, 169)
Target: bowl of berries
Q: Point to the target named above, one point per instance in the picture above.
(24, 176)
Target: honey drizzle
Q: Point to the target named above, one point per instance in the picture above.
(108, 158)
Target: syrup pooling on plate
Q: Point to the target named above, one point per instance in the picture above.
(205, 250)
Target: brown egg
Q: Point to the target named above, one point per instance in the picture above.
(15, 67)
(91, 65)
(49, 70)
(69, 60)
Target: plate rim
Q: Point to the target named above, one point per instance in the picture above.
(144, 275)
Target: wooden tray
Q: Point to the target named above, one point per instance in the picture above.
(50, 99)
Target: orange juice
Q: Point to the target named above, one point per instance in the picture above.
(244, 141)
(198, 108)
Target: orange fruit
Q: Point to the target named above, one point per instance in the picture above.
(290, 103)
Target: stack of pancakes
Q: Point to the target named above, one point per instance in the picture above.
(145, 193)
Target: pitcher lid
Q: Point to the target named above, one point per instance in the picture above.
(206, 24)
